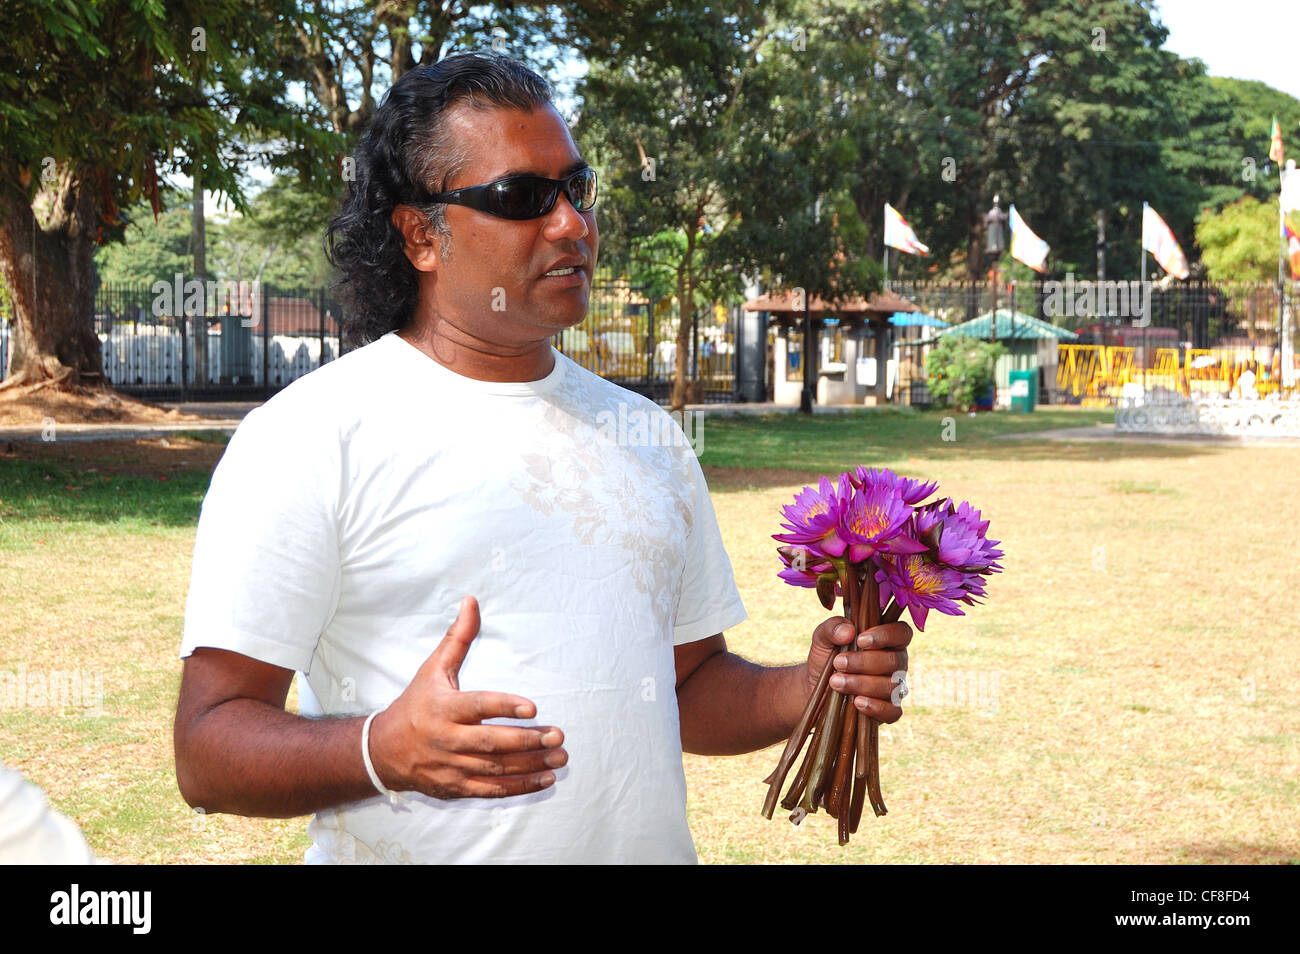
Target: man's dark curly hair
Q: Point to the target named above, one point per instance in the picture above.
(405, 157)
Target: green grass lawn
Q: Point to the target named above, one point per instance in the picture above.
(885, 436)
(1140, 641)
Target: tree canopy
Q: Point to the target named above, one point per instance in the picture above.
(756, 141)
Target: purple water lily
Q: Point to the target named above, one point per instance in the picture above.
(956, 536)
(919, 584)
(813, 518)
(958, 556)
(912, 491)
(802, 566)
(924, 556)
(868, 528)
(875, 517)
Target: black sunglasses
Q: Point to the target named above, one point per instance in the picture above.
(525, 197)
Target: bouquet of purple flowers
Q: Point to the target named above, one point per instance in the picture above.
(869, 539)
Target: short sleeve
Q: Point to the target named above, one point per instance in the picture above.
(31, 832)
(709, 601)
(266, 570)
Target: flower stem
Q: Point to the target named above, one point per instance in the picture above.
(797, 738)
(873, 618)
(845, 814)
(792, 797)
(800, 782)
(843, 761)
(892, 614)
(828, 733)
(859, 775)
(873, 769)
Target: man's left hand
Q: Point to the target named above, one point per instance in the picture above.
(868, 670)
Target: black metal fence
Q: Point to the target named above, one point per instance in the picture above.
(631, 339)
(1200, 314)
(186, 342)
(222, 340)
(1121, 332)
(234, 340)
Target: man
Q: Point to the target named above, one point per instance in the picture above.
(456, 454)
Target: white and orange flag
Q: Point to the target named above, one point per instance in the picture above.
(1025, 245)
(1292, 249)
(899, 235)
(1290, 196)
(1158, 239)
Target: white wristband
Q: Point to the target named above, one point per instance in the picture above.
(393, 797)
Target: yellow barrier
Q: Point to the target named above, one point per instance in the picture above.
(1096, 374)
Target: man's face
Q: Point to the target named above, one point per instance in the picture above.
(493, 281)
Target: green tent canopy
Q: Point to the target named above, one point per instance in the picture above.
(1025, 326)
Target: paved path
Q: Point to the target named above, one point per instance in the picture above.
(222, 410)
(1107, 432)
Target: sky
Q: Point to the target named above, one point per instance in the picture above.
(1243, 39)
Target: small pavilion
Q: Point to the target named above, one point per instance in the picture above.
(864, 325)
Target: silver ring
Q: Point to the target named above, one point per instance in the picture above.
(902, 690)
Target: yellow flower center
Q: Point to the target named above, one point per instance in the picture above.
(868, 522)
(925, 576)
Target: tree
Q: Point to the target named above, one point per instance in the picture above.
(959, 369)
(658, 104)
(153, 248)
(277, 240)
(1061, 107)
(98, 102)
(349, 53)
(1240, 242)
(704, 121)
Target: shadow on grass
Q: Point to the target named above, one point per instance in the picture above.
(1217, 853)
(35, 492)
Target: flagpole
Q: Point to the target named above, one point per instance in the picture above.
(1281, 286)
(1144, 296)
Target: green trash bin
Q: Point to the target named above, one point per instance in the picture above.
(1024, 391)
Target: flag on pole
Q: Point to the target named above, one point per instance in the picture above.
(1275, 143)
(1292, 248)
(898, 234)
(1025, 245)
(1290, 196)
(1160, 242)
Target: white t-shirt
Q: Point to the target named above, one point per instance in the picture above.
(353, 510)
(32, 833)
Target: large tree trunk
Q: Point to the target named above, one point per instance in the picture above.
(685, 310)
(49, 268)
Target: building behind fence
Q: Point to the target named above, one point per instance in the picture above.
(1200, 337)
(1192, 337)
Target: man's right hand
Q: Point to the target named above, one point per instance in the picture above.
(432, 740)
